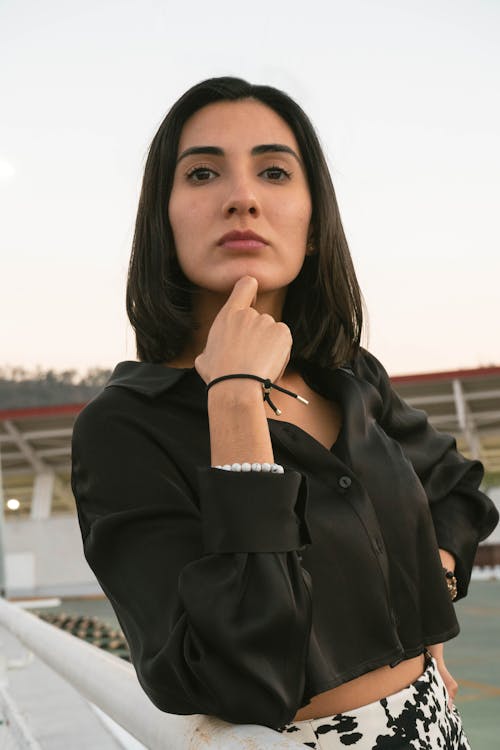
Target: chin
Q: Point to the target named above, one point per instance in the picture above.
(267, 281)
(221, 278)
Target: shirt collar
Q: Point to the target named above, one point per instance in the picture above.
(152, 379)
(148, 378)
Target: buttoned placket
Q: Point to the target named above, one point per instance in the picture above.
(338, 473)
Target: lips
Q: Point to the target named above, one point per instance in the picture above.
(242, 239)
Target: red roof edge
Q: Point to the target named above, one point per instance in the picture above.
(477, 372)
(53, 410)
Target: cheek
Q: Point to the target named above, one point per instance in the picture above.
(184, 217)
(295, 215)
(191, 226)
(178, 206)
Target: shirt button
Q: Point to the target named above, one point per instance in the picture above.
(345, 482)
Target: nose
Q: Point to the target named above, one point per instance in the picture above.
(241, 200)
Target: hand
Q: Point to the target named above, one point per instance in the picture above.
(451, 684)
(243, 340)
(447, 559)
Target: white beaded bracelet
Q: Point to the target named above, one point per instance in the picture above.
(274, 468)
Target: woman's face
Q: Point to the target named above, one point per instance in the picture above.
(246, 174)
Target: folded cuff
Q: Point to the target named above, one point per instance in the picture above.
(457, 532)
(252, 511)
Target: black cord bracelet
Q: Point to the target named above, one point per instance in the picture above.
(266, 386)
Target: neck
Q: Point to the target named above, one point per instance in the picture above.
(206, 307)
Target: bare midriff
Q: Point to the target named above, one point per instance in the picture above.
(369, 687)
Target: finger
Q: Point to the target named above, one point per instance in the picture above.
(244, 293)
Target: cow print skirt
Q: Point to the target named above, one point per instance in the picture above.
(416, 718)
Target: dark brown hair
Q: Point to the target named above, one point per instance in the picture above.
(323, 306)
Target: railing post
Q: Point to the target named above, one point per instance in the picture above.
(2, 521)
(111, 684)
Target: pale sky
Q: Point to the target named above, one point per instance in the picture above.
(403, 94)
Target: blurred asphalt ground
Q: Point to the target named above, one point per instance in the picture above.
(473, 658)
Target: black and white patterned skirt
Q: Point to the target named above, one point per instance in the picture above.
(416, 718)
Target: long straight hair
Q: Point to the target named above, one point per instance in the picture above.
(323, 306)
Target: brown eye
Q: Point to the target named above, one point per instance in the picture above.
(277, 174)
(200, 174)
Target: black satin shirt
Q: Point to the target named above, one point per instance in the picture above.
(242, 595)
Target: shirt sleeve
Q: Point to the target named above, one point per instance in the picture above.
(207, 585)
(462, 515)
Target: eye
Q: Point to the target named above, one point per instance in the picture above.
(277, 174)
(200, 174)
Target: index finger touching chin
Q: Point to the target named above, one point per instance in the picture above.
(244, 293)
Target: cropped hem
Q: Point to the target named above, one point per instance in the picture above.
(446, 636)
(381, 661)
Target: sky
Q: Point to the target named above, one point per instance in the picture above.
(403, 95)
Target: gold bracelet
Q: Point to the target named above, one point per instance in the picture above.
(451, 582)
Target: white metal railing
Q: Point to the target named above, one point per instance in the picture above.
(14, 732)
(111, 684)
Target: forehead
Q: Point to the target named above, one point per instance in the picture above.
(241, 124)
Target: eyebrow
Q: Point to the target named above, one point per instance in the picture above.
(264, 148)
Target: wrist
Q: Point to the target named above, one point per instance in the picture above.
(451, 583)
(436, 650)
(448, 565)
(236, 392)
(447, 560)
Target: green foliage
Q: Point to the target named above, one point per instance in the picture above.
(21, 388)
(491, 479)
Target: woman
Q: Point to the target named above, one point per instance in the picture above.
(271, 560)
